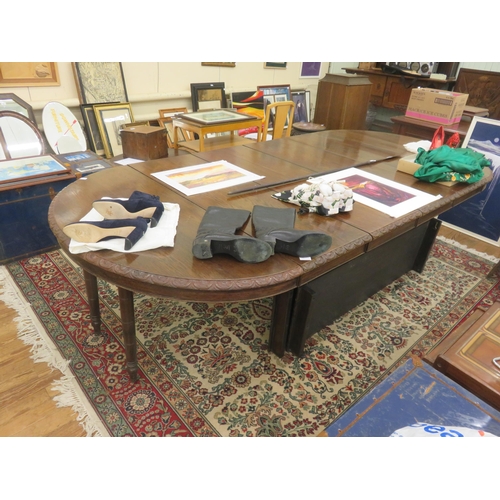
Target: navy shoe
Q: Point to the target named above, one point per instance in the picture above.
(138, 205)
(94, 231)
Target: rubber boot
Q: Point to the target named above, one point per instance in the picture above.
(276, 227)
(216, 236)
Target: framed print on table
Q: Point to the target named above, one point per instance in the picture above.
(98, 82)
(91, 127)
(480, 215)
(110, 119)
(215, 116)
(208, 95)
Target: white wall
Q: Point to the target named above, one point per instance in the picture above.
(156, 85)
(485, 66)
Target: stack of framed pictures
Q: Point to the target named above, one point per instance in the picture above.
(274, 93)
(104, 104)
(104, 122)
(83, 163)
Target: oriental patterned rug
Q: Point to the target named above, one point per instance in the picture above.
(205, 368)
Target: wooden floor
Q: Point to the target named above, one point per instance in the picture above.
(26, 404)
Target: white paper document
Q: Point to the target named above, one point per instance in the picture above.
(206, 177)
(387, 196)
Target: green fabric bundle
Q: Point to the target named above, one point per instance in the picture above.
(450, 164)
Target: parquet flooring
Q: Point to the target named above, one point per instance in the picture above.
(26, 404)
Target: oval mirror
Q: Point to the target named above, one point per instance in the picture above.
(60, 124)
(19, 137)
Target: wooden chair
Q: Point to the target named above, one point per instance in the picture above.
(278, 120)
(165, 120)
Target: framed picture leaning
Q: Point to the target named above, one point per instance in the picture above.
(480, 215)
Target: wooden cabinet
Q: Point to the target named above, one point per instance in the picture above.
(342, 101)
(471, 355)
(393, 91)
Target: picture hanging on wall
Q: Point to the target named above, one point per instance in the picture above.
(310, 70)
(100, 82)
(224, 64)
(480, 215)
(29, 74)
(275, 65)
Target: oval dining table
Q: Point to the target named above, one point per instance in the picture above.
(369, 248)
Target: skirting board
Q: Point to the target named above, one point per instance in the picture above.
(474, 235)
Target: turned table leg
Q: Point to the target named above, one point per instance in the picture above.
(128, 324)
(93, 299)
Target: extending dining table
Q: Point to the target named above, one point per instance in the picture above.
(369, 248)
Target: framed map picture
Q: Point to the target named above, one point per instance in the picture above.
(99, 82)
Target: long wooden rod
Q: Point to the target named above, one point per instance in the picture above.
(304, 177)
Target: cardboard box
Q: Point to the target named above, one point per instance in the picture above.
(408, 166)
(437, 106)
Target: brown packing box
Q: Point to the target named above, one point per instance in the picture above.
(408, 166)
(437, 106)
(144, 142)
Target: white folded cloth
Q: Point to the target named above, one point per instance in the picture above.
(162, 235)
(412, 147)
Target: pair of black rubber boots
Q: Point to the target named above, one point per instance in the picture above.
(274, 233)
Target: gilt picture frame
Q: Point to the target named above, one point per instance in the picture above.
(92, 128)
(110, 119)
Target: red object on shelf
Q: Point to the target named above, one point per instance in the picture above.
(453, 141)
(438, 139)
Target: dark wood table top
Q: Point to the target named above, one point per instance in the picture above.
(410, 123)
(174, 272)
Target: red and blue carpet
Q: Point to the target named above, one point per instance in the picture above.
(205, 368)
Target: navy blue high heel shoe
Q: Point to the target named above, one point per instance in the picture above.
(139, 204)
(94, 231)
